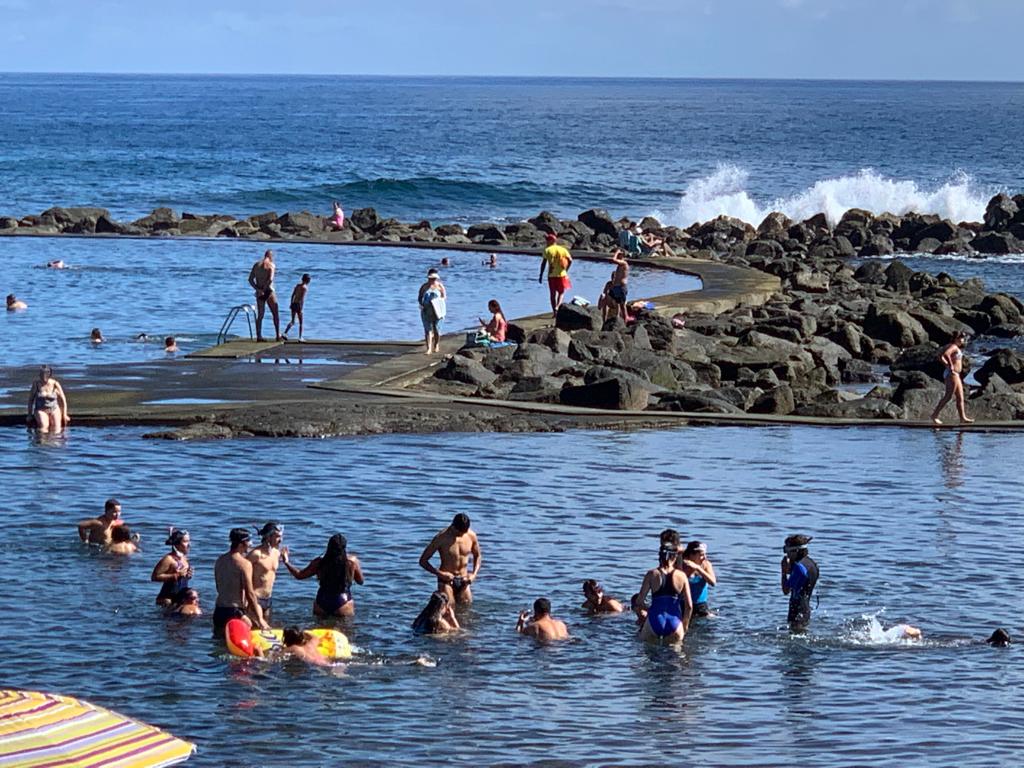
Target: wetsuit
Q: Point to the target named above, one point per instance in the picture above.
(664, 615)
(803, 575)
(173, 590)
(699, 593)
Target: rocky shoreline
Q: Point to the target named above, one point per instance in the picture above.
(837, 341)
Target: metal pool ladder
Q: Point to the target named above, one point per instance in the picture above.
(242, 309)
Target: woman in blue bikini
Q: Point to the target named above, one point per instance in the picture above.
(336, 569)
(669, 588)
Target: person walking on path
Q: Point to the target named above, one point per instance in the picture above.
(261, 278)
(296, 304)
(799, 575)
(557, 259)
(433, 307)
(952, 356)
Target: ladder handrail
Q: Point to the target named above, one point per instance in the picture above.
(248, 309)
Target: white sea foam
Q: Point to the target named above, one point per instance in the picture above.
(725, 192)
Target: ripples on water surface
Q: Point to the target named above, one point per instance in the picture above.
(185, 288)
(923, 525)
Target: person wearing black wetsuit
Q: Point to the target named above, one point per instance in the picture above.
(799, 576)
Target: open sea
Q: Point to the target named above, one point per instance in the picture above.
(909, 526)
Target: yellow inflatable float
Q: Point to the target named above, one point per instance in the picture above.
(243, 641)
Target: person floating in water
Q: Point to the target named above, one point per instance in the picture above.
(98, 530)
(170, 345)
(597, 601)
(336, 569)
(799, 576)
(437, 618)
(999, 639)
(96, 336)
(173, 571)
(265, 560)
(491, 262)
(47, 403)
(668, 617)
(296, 304)
(700, 573)
(304, 646)
(235, 594)
(261, 278)
(122, 541)
(56, 264)
(14, 304)
(952, 357)
(557, 259)
(455, 545)
(189, 605)
(542, 625)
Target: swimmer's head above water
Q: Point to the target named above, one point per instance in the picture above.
(294, 636)
(999, 639)
(112, 509)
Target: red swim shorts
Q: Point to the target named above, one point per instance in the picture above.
(559, 284)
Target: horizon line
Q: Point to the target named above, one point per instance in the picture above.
(420, 76)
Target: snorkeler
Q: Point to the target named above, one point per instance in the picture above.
(437, 618)
(455, 545)
(542, 625)
(265, 560)
(799, 575)
(700, 573)
(336, 569)
(304, 646)
(668, 617)
(235, 594)
(97, 530)
(173, 570)
(597, 601)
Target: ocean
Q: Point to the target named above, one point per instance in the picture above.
(909, 525)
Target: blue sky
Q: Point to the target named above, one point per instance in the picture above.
(891, 39)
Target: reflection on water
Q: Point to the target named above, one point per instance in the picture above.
(951, 453)
(549, 514)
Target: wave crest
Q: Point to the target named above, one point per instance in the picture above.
(724, 192)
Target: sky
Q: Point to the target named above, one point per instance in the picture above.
(848, 39)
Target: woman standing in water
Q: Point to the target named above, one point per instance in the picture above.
(700, 573)
(668, 586)
(952, 356)
(336, 569)
(47, 405)
(173, 571)
(437, 618)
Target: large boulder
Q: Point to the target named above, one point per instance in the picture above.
(487, 233)
(996, 243)
(877, 245)
(898, 276)
(546, 221)
(365, 219)
(554, 339)
(571, 317)
(999, 212)
(1005, 363)
(1001, 308)
(301, 223)
(941, 231)
(923, 357)
(870, 273)
(939, 328)
(861, 409)
(655, 368)
(698, 401)
(830, 356)
(467, 371)
(778, 401)
(619, 393)
(894, 326)
(161, 219)
(600, 222)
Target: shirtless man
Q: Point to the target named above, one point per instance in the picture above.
(620, 281)
(265, 559)
(261, 278)
(542, 625)
(296, 305)
(97, 530)
(455, 545)
(235, 594)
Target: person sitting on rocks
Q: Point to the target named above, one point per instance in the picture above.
(337, 220)
(14, 304)
(952, 357)
(497, 327)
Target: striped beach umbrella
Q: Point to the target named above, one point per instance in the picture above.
(40, 730)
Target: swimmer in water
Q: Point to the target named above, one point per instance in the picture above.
(56, 264)
(455, 545)
(189, 605)
(668, 617)
(437, 618)
(492, 262)
(265, 559)
(98, 530)
(999, 639)
(232, 574)
(304, 646)
(142, 337)
(122, 541)
(799, 576)
(96, 336)
(700, 574)
(173, 571)
(336, 569)
(170, 345)
(542, 625)
(597, 601)
(446, 262)
(14, 304)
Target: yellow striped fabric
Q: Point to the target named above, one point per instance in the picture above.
(41, 730)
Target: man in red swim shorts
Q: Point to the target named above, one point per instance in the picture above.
(557, 259)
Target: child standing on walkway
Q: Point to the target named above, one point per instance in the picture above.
(296, 304)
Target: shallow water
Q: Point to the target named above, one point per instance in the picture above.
(926, 526)
(184, 288)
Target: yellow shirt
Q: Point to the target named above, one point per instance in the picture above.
(558, 259)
